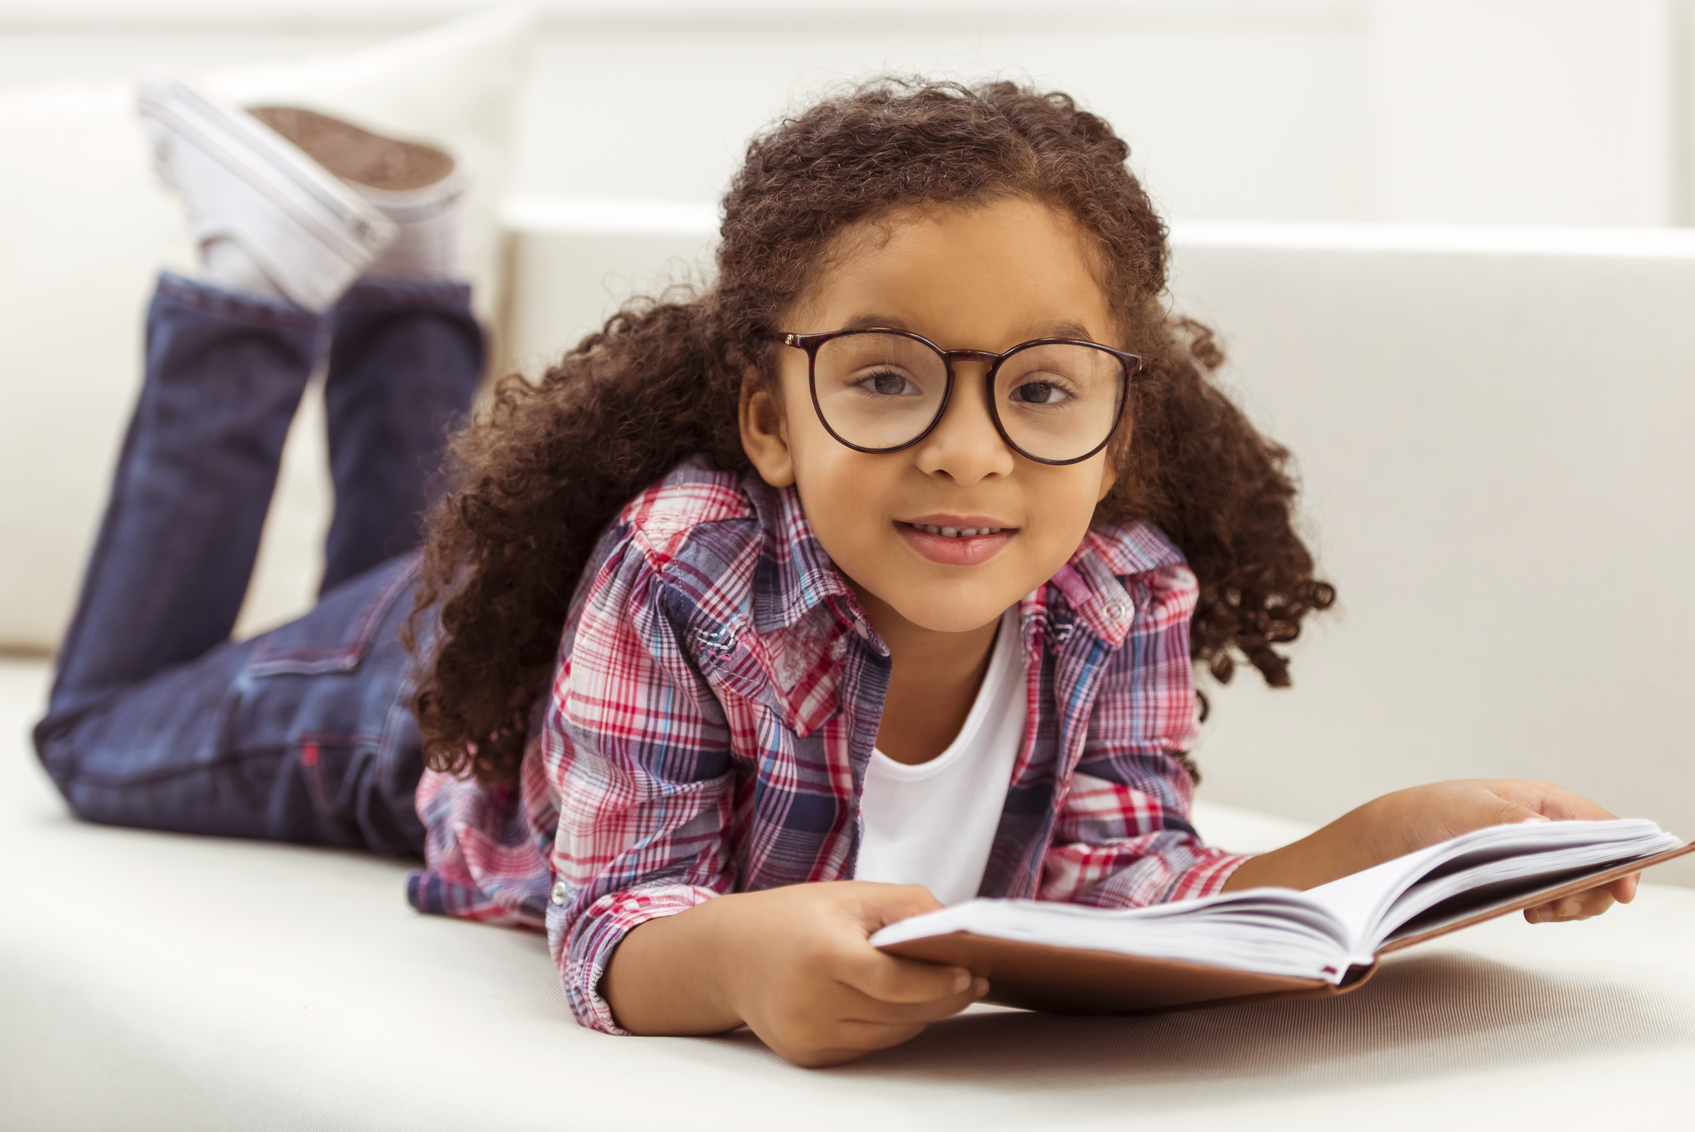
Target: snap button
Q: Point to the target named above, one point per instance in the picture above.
(561, 890)
(1116, 610)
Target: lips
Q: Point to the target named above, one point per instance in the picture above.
(956, 540)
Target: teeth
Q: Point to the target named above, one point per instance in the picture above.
(958, 532)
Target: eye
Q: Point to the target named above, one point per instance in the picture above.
(888, 383)
(1041, 393)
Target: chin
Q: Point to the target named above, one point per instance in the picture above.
(948, 613)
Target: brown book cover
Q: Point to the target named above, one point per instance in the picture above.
(1068, 980)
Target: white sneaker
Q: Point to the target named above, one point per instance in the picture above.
(430, 220)
(417, 186)
(240, 181)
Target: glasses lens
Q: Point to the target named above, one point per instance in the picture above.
(1059, 401)
(878, 390)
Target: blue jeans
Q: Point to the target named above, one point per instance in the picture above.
(157, 719)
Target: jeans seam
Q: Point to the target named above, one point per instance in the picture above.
(310, 660)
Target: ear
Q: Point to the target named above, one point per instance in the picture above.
(765, 432)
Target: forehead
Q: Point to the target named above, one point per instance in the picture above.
(986, 276)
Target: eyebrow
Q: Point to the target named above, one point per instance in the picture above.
(1064, 328)
(875, 322)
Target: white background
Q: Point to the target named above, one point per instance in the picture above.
(1487, 111)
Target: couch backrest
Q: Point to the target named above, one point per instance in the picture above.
(1490, 427)
(1493, 431)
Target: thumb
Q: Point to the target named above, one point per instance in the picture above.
(885, 904)
(1515, 813)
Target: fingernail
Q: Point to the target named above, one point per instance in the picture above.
(1533, 819)
(961, 981)
(979, 987)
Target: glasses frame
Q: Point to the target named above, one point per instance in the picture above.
(1131, 363)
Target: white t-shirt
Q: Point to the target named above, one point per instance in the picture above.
(933, 824)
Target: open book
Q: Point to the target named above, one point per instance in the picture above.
(1270, 942)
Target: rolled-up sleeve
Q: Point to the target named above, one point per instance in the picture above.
(638, 749)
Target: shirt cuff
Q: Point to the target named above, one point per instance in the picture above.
(583, 949)
(1207, 877)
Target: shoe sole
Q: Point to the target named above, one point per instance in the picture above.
(266, 167)
(358, 155)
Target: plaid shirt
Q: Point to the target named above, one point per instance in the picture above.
(716, 701)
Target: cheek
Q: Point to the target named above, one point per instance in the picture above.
(1063, 505)
(847, 490)
(844, 492)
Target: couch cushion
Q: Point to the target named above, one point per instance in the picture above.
(158, 981)
(1491, 429)
(85, 227)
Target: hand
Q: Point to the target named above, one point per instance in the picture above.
(1411, 819)
(815, 991)
(1428, 814)
(794, 965)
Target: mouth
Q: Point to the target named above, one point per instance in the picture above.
(957, 532)
(956, 540)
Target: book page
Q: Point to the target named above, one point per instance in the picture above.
(1375, 902)
(1359, 900)
(1275, 931)
(1464, 886)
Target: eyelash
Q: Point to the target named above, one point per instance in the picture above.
(865, 383)
(1055, 383)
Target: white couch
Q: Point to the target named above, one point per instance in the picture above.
(1490, 426)
(151, 981)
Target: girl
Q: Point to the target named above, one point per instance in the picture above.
(870, 578)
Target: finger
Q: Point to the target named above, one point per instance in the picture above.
(859, 1034)
(1580, 906)
(1553, 802)
(1624, 888)
(890, 978)
(864, 1008)
(853, 1040)
(1585, 904)
(1510, 812)
(883, 904)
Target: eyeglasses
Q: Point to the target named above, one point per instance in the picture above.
(1053, 400)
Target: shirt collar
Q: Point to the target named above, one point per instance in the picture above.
(794, 575)
(1093, 580)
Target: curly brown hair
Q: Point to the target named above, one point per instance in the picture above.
(548, 464)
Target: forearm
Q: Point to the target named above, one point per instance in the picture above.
(1408, 820)
(1345, 846)
(668, 976)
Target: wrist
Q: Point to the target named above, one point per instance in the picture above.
(1356, 840)
(718, 965)
(675, 975)
(1370, 831)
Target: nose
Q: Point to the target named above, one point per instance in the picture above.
(965, 446)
